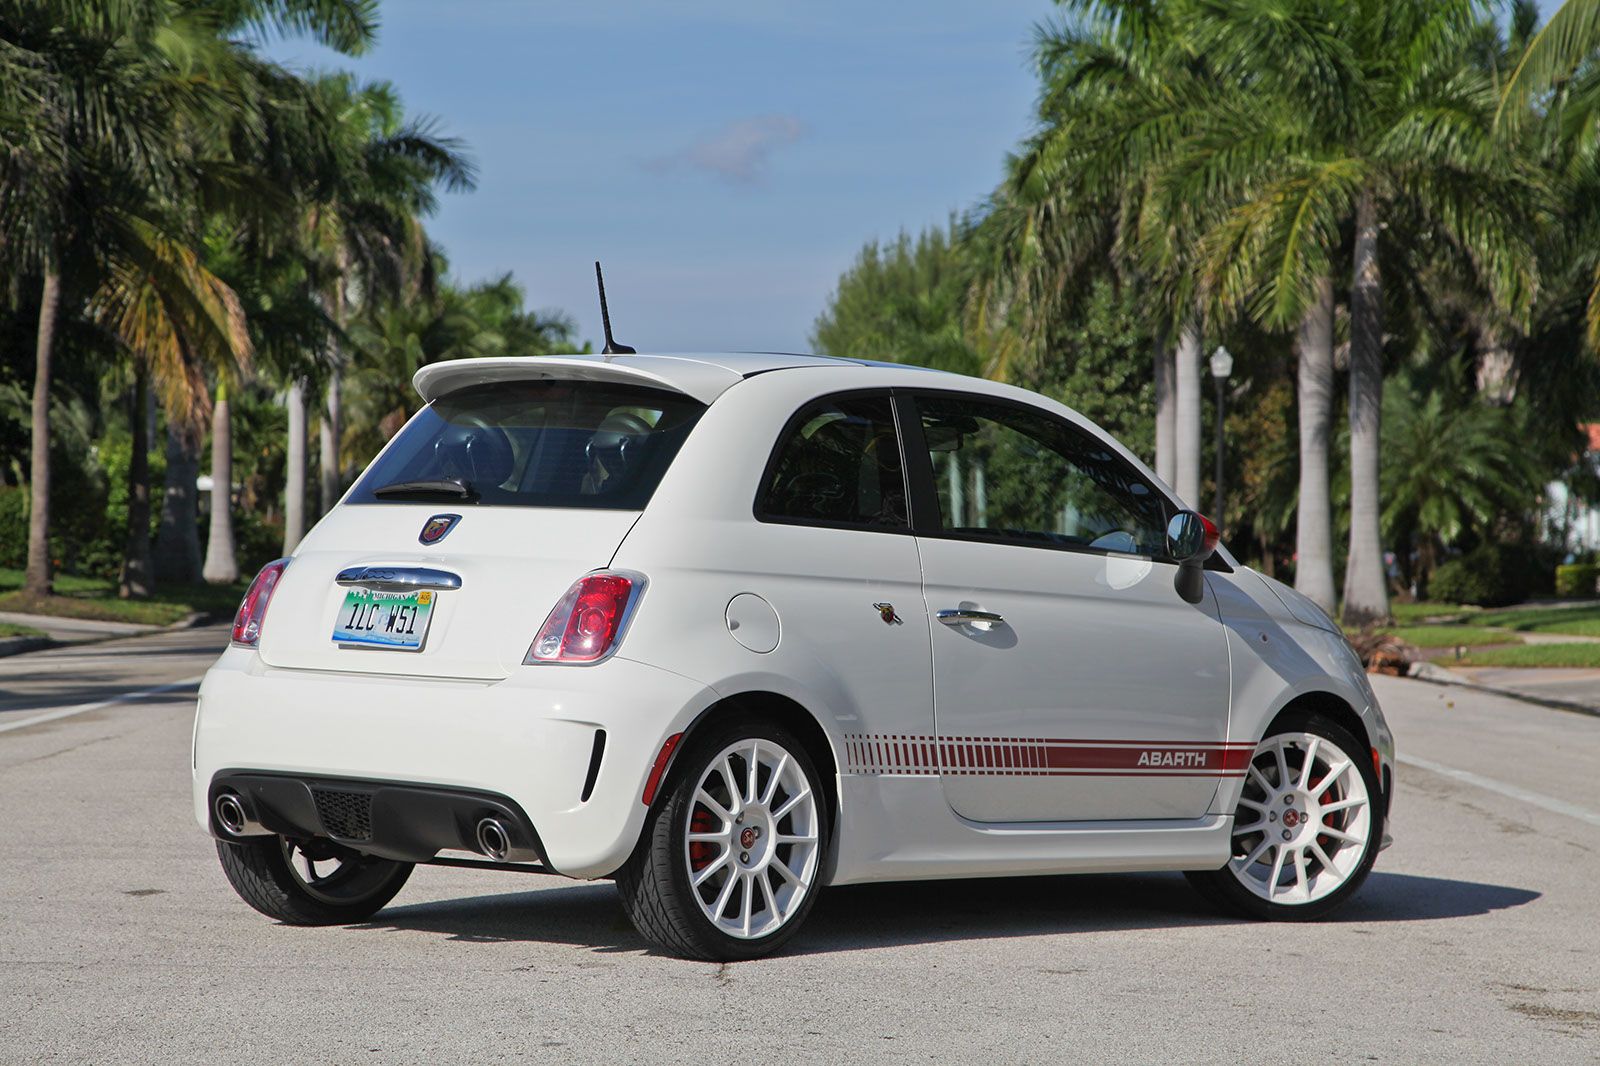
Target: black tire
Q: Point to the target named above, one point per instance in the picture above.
(1224, 888)
(655, 882)
(260, 870)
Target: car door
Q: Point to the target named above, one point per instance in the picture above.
(1071, 682)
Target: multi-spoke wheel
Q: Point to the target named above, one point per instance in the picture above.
(1307, 827)
(310, 882)
(729, 862)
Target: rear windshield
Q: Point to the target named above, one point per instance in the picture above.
(535, 444)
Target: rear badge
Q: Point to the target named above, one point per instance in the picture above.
(437, 528)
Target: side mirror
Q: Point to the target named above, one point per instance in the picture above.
(1191, 538)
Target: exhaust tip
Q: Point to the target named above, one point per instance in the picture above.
(230, 814)
(493, 840)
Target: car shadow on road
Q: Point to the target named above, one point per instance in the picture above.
(858, 917)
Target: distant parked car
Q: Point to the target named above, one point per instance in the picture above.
(731, 628)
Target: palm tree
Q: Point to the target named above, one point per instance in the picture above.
(390, 342)
(1377, 124)
(364, 224)
(1119, 84)
(294, 146)
(100, 102)
(1451, 465)
(174, 318)
(94, 94)
(1566, 44)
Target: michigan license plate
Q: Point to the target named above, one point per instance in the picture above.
(397, 620)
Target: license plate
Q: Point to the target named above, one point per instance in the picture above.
(397, 620)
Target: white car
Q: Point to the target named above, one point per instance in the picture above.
(731, 628)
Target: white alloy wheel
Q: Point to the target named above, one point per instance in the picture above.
(1305, 820)
(751, 842)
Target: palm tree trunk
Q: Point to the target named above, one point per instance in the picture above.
(1186, 419)
(328, 452)
(37, 581)
(328, 441)
(136, 578)
(222, 563)
(177, 554)
(294, 492)
(1366, 590)
(1166, 410)
(1313, 572)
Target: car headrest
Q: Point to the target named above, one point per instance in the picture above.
(476, 451)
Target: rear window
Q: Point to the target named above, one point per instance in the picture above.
(535, 444)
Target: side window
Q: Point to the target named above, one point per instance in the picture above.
(1011, 474)
(838, 465)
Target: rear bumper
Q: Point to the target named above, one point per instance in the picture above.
(412, 823)
(526, 743)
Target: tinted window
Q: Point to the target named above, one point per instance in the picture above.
(1012, 474)
(839, 465)
(537, 444)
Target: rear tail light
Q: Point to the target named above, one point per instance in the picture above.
(253, 608)
(588, 623)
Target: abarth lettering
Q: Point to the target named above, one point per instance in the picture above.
(1195, 759)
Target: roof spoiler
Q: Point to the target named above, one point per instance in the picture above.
(701, 381)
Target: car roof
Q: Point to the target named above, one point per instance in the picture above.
(704, 376)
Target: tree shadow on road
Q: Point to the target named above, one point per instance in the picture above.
(858, 917)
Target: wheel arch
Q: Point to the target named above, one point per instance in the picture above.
(787, 712)
(1334, 706)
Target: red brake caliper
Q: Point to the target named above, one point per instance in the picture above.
(700, 852)
(1324, 841)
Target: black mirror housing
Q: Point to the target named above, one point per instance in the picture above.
(1191, 538)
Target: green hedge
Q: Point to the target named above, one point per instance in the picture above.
(1491, 575)
(1577, 579)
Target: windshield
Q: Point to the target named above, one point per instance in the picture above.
(535, 444)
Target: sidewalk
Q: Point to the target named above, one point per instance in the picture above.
(59, 631)
(1545, 683)
(1577, 690)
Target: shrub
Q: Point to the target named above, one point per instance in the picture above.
(1491, 575)
(13, 527)
(1577, 579)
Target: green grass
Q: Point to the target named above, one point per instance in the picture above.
(1412, 613)
(96, 598)
(1573, 621)
(8, 630)
(1450, 636)
(1542, 655)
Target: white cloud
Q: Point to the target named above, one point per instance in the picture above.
(740, 153)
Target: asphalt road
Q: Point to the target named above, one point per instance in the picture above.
(1477, 939)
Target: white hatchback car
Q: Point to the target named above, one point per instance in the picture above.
(730, 628)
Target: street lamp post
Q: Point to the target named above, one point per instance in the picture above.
(1221, 367)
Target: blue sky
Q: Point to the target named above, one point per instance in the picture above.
(726, 160)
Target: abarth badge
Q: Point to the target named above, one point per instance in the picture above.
(886, 612)
(436, 528)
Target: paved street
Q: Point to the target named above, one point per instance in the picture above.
(1476, 941)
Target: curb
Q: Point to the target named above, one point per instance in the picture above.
(1438, 675)
(21, 645)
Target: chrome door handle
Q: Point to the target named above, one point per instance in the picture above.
(397, 578)
(966, 617)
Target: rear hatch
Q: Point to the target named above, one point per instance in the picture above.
(480, 630)
(451, 550)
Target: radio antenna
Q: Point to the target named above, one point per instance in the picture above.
(612, 347)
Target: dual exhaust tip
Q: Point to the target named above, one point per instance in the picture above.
(233, 819)
(493, 839)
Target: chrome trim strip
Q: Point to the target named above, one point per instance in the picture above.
(397, 578)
